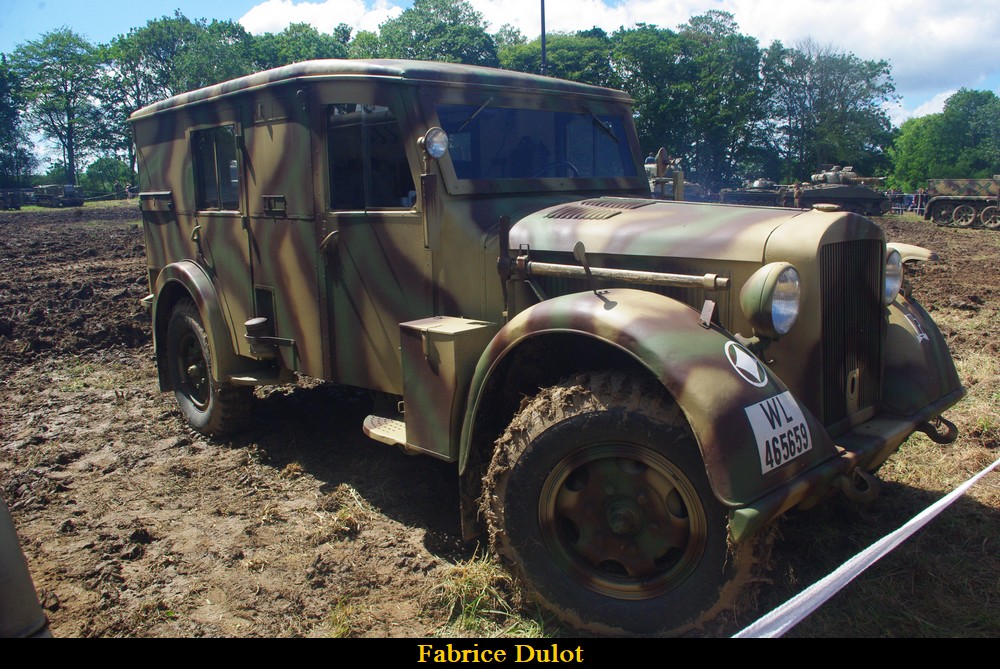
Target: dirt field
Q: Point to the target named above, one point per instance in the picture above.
(303, 527)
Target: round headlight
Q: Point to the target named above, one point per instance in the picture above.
(770, 299)
(435, 142)
(893, 276)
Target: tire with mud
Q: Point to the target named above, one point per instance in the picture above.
(597, 498)
(211, 408)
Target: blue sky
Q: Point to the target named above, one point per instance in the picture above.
(934, 48)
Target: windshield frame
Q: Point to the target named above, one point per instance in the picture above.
(582, 105)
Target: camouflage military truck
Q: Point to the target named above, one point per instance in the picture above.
(964, 203)
(630, 389)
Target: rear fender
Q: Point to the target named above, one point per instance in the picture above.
(716, 382)
(186, 279)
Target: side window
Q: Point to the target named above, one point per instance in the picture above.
(368, 167)
(216, 170)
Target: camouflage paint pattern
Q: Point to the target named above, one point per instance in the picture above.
(339, 285)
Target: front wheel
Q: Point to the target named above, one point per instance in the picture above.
(941, 213)
(210, 407)
(597, 497)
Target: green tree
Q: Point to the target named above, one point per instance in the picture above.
(828, 107)
(365, 44)
(439, 30)
(59, 73)
(725, 106)
(107, 176)
(963, 141)
(16, 159)
(297, 42)
(219, 51)
(584, 57)
(648, 63)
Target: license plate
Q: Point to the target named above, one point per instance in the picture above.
(780, 429)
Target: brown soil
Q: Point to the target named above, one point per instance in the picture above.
(132, 526)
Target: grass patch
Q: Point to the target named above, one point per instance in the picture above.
(482, 599)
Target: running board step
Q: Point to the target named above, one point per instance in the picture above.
(386, 430)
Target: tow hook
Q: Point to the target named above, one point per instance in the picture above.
(934, 431)
(859, 486)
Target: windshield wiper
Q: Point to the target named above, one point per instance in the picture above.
(474, 114)
(600, 124)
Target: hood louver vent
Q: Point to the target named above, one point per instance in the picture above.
(617, 203)
(597, 210)
(575, 211)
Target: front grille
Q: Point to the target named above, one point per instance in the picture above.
(852, 327)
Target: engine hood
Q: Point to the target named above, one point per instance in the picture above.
(653, 228)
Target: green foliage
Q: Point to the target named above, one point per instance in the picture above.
(365, 44)
(828, 107)
(16, 160)
(297, 42)
(439, 30)
(963, 141)
(107, 176)
(584, 57)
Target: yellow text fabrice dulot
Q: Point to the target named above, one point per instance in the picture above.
(520, 653)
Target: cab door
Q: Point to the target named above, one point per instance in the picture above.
(378, 270)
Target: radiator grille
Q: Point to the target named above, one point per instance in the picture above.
(852, 327)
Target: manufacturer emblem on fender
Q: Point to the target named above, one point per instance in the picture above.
(746, 365)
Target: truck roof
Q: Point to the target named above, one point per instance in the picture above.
(412, 71)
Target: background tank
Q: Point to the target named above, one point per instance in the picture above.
(843, 187)
(759, 192)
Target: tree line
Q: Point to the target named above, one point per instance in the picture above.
(730, 108)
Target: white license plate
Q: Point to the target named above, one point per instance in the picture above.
(781, 430)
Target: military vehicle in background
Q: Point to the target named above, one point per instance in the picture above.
(58, 196)
(832, 186)
(842, 187)
(759, 192)
(667, 182)
(10, 198)
(630, 389)
(963, 203)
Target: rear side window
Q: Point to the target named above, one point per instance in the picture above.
(368, 166)
(216, 169)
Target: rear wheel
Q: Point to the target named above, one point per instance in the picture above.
(598, 499)
(212, 408)
(989, 218)
(963, 216)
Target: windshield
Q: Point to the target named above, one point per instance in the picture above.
(488, 142)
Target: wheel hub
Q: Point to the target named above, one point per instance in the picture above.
(624, 517)
(623, 520)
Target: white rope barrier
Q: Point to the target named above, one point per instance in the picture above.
(792, 612)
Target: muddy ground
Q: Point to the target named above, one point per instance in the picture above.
(132, 526)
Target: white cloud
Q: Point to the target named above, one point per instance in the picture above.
(273, 16)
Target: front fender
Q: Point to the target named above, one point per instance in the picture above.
(188, 279)
(919, 369)
(697, 365)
